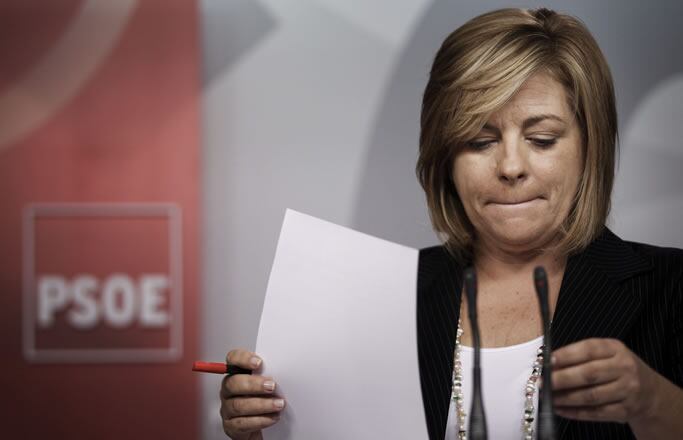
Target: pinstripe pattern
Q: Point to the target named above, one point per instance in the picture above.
(614, 289)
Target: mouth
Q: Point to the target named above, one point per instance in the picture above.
(515, 202)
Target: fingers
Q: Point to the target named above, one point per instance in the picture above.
(243, 358)
(585, 351)
(241, 384)
(597, 380)
(589, 373)
(249, 424)
(246, 407)
(598, 395)
(612, 412)
(250, 406)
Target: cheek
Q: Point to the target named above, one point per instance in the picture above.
(562, 175)
(465, 177)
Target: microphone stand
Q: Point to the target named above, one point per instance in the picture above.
(477, 426)
(546, 424)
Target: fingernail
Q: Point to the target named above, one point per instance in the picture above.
(255, 362)
(279, 403)
(553, 360)
(269, 385)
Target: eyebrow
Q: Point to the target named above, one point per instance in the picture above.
(533, 120)
(530, 121)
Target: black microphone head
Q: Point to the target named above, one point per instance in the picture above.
(541, 284)
(540, 275)
(470, 278)
(471, 291)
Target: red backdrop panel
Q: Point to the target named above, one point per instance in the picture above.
(126, 133)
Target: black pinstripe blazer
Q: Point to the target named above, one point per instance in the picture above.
(613, 289)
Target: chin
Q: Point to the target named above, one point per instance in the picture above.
(522, 237)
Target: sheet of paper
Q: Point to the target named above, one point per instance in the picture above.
(338, 334)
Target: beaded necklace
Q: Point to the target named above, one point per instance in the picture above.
(529, 391)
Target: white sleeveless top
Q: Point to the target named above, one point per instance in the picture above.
(504, 373)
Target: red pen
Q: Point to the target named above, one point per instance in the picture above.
(218, 368)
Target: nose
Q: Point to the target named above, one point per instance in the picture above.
(512, 165)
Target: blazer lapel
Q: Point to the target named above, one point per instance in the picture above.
(438, 311)
(593, 300)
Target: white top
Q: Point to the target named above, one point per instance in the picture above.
(504, 373)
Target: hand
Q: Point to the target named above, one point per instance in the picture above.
(602, 380)
(248, 402)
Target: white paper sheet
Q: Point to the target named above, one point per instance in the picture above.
(338, 334)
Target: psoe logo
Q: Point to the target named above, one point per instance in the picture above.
(102, 282)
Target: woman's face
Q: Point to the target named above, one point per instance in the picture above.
(518, 177)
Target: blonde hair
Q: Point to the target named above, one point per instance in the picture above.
(478, 68)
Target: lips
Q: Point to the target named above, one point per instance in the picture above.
(514, 201)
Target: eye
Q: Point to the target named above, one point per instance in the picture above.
(479, 144)
(543, 142)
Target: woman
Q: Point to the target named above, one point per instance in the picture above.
(517, 150)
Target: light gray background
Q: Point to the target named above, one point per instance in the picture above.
(314, 105)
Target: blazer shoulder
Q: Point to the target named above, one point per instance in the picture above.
(432, 262)
(621, 259)
(666, 270)
(433, 253)
(666, 260)
(658, 252)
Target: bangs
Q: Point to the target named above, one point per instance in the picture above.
(495, 73)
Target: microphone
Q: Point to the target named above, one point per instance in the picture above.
(546, 424)
(477, 415)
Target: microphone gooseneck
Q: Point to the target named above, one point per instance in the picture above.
(477, 429)
(545, 427)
